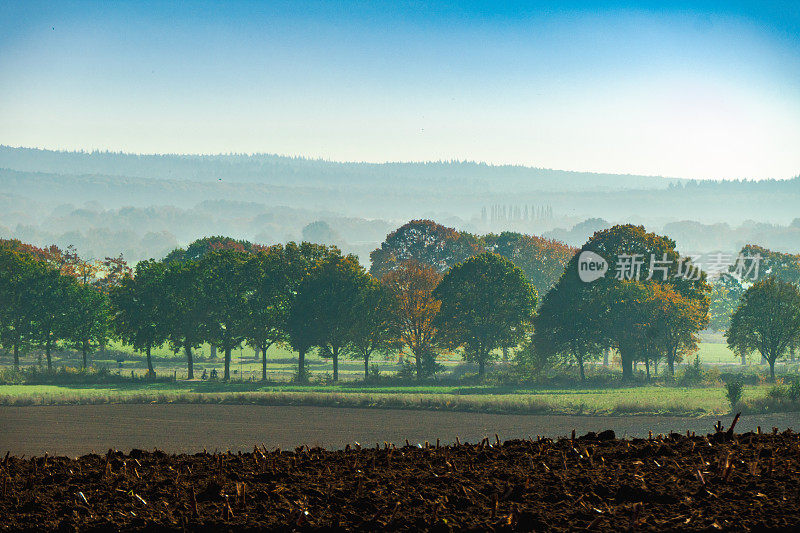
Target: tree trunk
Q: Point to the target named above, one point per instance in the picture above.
(605, 356)
(85, 350)
(187, 349)
(301, 366)
(771, 369)
(647, 368)
(418, 358)
(16, 355)
(150, 372)
(263, 363)
(213, 349)
(227, 364)
(580, 366)
(671, 364)
(48, 355)
(481, 368)
(744, 360)
(627, 367)
(335, 354)
(366, 367)
(505, 354)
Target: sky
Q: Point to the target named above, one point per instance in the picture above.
(696, 89)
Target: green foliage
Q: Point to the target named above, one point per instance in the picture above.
(139, 308)
(326, 302)
(202, 247)
(723, 300)
(486, 304)
(693, 374)
(794, 389)
(767, 320)
(224, 286)
(426, 242)
(542, 260)
(734, 390)
(616, 312)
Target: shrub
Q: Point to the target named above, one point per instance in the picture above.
(323, 379)
(375, 375)
(794, 389)
(693, 374)
(408, 370)
(734, 390)
(778, 392)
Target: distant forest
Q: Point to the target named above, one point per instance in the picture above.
(146, 205)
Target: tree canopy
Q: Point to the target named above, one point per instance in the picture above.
(767, 320)
(426, 242)
(486, 304)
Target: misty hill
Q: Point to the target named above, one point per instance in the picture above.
(103, 202)
(281, 170)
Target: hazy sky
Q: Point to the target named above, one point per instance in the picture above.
(699, 89)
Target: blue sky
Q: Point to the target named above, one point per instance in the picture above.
(696, 89)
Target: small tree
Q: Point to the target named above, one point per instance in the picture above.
(269, 301)
(734, 390)
(486, 304)
(183, 312)
(327, 299)
(138, 309)
(767, 320)
(412, 284)
(373, 328)
(89, 319)
(225, 286)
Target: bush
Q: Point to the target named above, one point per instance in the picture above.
(375, 375)
(693, 374)
(778, 392)
(794, 389)
(734, 389)
(323, 379)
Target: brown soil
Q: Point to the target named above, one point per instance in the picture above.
(720, 481)
(188, 428)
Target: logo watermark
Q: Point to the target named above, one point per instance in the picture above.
(592, 266)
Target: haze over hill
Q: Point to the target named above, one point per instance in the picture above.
(144, 205)
(282, 170)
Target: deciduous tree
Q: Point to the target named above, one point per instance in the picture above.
(426, 242)
(412, 284)
(225, 292)
(767, 320)
(486, 304)
(139, 307)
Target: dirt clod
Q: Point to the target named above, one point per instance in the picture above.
(594, 482)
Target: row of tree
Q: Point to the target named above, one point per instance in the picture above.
(227, 293)
(430, 289)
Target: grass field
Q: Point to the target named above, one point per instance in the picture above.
(452, 393)
(643, 400)
(282, 362)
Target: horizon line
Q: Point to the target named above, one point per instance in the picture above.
(84, 151)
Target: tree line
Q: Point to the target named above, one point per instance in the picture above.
(226, 293)
(430, 289)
